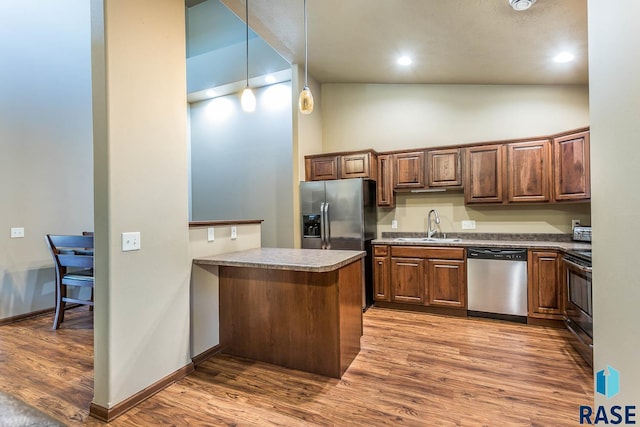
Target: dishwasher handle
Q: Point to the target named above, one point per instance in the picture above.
(505, 254)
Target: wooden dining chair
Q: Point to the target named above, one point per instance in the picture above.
(73, 259)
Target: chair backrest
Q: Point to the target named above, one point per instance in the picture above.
(71, 251)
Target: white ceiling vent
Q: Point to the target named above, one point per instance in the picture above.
(521, 4)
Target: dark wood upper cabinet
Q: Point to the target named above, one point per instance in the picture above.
(358, 165)
(572, 169)
(319, 168)
(483, 177)
(384, 183)
(409, 170)
(443, 168)
(529, 171)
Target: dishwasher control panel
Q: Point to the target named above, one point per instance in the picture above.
(506, 254)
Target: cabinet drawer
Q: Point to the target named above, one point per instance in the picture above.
(381, 250)
(427, 252)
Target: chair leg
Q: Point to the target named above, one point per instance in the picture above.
(61, 291)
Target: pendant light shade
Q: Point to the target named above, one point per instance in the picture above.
(305, 101)
(248, 99)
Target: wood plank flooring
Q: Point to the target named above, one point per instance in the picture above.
(414, 369)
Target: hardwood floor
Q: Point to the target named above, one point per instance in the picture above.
(414, 369)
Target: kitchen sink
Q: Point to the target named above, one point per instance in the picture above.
(426, 239)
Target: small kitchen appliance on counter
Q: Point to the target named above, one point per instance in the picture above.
(582, 233)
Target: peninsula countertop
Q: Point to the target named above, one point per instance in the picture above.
(313, 260)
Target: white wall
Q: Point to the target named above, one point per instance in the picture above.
(205, 301)
(241, 162)
(140, 126)
(614, 70)
(45, 142)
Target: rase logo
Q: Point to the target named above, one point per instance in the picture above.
(608, 384)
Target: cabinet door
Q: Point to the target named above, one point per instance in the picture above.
(385, 181)
(529, 171)
(407, 280)
(572, 171)
(447, 283)
(483, 174)
(545, 287)
(320, 168)
(444, 168)
(409, 170)
(381, 279)
(356, 165)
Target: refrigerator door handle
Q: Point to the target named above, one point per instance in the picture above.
(327, 226)
(322, 227)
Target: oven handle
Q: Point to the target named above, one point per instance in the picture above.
(578, 266)
(568, 323)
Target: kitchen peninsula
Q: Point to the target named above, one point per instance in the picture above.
(297, 308)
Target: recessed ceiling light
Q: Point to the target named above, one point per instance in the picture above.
(404, 60)
(521, 4)
(269, 78)
(563, 57)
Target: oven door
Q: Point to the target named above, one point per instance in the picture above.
(579, 308)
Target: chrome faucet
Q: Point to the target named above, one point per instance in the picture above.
(432, 231)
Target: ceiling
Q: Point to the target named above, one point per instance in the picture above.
(450, 41)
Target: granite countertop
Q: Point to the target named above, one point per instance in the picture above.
(312, 260)
(529, 241)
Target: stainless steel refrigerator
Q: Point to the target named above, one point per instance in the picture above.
(341, 214)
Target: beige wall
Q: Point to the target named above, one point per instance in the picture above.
(45, 143)
(614, 70)
(411, 213)
(394, 117)
(205, 321)
(307, 138)
(140, 163)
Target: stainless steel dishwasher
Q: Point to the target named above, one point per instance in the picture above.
(497, 283)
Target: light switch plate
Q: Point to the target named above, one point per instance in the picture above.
(234, 233)
(394, 224)
(574, 223)
(17, 232)
(469, 225)
(131, 241)
(210, 235)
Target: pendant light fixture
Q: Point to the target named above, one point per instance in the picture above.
(305, 101)
(248, 99)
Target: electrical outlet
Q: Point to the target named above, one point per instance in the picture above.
(17, 232)
(469, 225)
(210, 235)
(574, 223)
(234, 233)
(131, 241)
(394, 224)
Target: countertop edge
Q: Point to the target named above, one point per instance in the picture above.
(226, 260)
(528, 244)
(215, 223)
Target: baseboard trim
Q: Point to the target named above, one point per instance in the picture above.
(205, 355)
(109, 414)
(26, 316)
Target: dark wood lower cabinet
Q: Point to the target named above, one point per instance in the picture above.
(546, 296)
(447, 283)
(407, 280)
(421, 276)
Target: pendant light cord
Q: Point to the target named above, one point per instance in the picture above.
(246, 18)
(305, 43)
